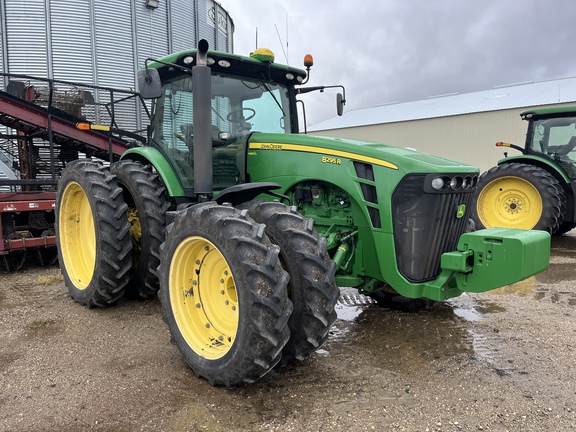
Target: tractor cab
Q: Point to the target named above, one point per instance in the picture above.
(239, 105)
(245, 95)
(242, 96)
(554, 137)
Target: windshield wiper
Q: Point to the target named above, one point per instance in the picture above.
(269, 90)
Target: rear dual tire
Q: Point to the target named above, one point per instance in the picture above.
(147, 200)
(92, 234)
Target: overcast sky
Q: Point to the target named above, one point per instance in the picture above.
(404, 50)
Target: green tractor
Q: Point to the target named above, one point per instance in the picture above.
(536, 189)
(247, 227)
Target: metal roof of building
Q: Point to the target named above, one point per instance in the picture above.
(498, 98)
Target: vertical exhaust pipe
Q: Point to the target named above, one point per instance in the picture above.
(202, 123)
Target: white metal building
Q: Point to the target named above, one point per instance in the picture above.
(463, 127)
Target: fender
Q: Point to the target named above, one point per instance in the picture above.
(161, 165)
(538, 161)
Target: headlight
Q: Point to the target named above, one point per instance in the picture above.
(438, 183)
(450, 182)
(455, 182)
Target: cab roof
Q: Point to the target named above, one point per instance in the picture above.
(231, 64)
(548, 112)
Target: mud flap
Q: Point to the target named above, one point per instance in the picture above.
(495, 257)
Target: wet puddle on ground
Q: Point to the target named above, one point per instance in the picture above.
(351, 304)
(403, 341)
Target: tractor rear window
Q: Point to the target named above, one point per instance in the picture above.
(550, 135)
(556, 138)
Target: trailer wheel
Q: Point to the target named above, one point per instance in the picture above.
(15, 259)
(92, 234)
(311, 288)
(518, 196)
(147, 200)
(47, 255)
(223, 292)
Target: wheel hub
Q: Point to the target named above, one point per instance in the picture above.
(513, 205)
(203, 296)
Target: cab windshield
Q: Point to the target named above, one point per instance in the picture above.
(556, 138)
(240, 106)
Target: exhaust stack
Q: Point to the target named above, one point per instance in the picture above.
(202, 111)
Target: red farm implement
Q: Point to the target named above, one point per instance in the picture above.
(38, 137)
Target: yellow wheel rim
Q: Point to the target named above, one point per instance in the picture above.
(510, 202)
(77, 235)
(203, 297)
(135, 236)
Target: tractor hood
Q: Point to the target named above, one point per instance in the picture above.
(409, 202)
(336, 150)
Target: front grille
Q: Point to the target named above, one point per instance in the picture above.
(426, 226)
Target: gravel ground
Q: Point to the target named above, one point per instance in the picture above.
(498, 361)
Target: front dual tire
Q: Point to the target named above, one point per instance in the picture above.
(223, 293)
(311, 288)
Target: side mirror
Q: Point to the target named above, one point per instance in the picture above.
(340, 102)
(149, 83)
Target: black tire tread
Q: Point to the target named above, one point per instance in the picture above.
(260, 281)
(113, 246)
(553, 197)
(313, 291)
(564, 228)
(146, 191)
